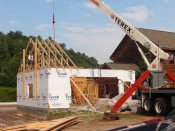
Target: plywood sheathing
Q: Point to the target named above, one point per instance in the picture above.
(88, 86)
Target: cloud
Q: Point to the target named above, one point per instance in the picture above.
(99, 42)
(137, 13)
(91, 6)
(13, 22)
(42, 27)
(166, 1)
(48, 1)
(72, 27)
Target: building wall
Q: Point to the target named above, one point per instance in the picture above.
(54, 88)
(41, 100)
(59, 91)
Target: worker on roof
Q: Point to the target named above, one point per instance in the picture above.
(30, 59)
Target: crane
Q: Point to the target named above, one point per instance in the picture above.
(137, 36)
(155, 67)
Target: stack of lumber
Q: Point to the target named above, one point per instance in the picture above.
(54, 125)
(67, 122)
(14, 128)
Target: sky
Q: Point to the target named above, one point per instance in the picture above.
(81, 25)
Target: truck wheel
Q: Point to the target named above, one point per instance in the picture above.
(147, 105)
(160, 106)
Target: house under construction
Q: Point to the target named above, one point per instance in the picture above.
(48, 79)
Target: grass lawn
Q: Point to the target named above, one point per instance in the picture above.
(82, 113)
(7, 94)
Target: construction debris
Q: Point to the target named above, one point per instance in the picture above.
(102, 105)
(128, 105)
(106, 104)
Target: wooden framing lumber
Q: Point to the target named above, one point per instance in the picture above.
(124, 83)
(15, 128)
(68, 58)
(52, 125)
(40, 45)
(23, 75)
(56, 51)
(39, 55)
(89, 87)
(47, 46)
(35, 71)
(57, 45)
(75, 85)
(58, 124)
(33, 43)
(65, 125)
(49, 54)
(62, 58)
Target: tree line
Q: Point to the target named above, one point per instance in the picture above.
(11, 45)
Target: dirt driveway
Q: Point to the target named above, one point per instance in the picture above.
(97, 124)
(89, 121)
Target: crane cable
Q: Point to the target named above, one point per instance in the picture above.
(53, 20)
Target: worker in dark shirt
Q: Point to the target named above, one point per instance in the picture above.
(107, 89)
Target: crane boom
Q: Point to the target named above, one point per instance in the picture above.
(155, 67)
(135, 35)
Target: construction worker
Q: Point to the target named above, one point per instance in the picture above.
(107, 90)
(145, 84)
(30, 59)
(27, 91)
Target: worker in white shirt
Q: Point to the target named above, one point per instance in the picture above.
(30, 59)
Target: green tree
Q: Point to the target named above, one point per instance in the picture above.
(11, 45)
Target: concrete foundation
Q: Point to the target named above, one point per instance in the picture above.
(41, 113)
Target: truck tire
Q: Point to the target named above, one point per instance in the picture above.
(147, 105)
(160, 107)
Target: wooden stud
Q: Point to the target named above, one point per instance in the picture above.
(40, 45)
(41, 54)
(15, 128)
(75, 85)
(23, 74)
(35, 71)
(47, 46)
(43, 63)
(97, 90)
(124, 83)
(61, 56)
(56, 45)
(48, 49)
(58, 124)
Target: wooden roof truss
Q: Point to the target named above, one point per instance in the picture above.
(45, 54)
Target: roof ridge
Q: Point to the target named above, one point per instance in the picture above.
(157, 30)
(120, 63)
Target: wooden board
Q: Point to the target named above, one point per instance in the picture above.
(89, 87)
(45, 125)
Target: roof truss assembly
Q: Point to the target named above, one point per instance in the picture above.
(45, 54)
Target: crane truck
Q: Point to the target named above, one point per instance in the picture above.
(154, 98)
